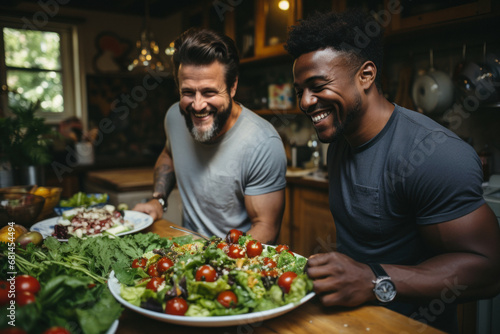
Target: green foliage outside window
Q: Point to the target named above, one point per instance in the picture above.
(33, 60)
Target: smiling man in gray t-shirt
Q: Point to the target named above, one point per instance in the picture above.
(229, 163)
(215, 178)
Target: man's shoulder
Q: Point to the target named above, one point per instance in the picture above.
(420, 121)
(257, 123)
(173, 111)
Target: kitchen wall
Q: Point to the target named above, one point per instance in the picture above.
(404, 54)
(452, 48)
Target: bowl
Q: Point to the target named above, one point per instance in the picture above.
(17, 189)
(20, 208)
(52, 196)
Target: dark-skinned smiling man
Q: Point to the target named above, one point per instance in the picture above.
(413, 230)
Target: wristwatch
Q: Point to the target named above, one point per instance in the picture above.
(162, 201)
(384, 289)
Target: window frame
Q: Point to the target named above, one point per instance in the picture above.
(70, 69)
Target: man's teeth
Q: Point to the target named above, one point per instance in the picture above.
(202, 115)
(319, 117)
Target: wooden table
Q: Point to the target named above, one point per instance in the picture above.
(309, 318)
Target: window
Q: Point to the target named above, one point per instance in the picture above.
(39, 65)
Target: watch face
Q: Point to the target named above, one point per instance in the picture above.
(385, 291)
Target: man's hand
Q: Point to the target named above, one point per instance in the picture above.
(152, 208)
(339, 280)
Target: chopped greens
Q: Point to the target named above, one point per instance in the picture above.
(73, 277)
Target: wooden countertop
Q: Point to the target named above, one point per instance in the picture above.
(122, 180)
(137, 179)
(309, 318)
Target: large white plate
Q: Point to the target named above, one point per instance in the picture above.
(217, 321)
(113, 328)
(139, 219)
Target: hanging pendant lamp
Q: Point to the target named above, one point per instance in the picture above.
(149, 57)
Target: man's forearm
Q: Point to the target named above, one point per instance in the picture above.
(164, 175)
(164, 181)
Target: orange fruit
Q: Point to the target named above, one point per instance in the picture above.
(11, 233)
(42, 191)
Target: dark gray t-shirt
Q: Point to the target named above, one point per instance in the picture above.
(414, 172)
(213, 179)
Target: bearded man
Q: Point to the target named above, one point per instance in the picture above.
(229, 163)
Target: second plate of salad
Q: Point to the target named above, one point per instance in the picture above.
(136, 221)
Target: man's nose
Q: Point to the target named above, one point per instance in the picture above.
(307, 100)
(199, 102)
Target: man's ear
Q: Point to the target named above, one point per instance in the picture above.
(366, 74)
(234, 87)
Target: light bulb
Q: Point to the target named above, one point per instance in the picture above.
(284, 5)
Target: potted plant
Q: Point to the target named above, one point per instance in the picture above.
(24, 142)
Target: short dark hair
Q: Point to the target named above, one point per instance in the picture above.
(357, 34)
(199, 46)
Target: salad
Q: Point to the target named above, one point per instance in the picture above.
(82, 222)
(217, 277)
(83, 199)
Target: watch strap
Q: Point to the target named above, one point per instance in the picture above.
(378, 270)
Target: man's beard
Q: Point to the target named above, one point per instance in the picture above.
(206, 136)
(352, 115)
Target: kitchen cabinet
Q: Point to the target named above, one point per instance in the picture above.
(308, 226)
(284, 237)
(313, 228)
(413, 15)
(271, 25)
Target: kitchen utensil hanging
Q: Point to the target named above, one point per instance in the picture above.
(478, 82)
(432, 92)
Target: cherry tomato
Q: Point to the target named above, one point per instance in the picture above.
(176, 306)
(139, 263)
(285, 280)
(27, 283)
(154, 283)
(227, 299)
(270, 263)
(4, 292)
(254, 248)
(233, 236)
(281, 248)
(271, 273)
(222, 245)
(153, 271)
(236, 252)
(24, 298)
(57, 330)
(164, 264)
(206, 273)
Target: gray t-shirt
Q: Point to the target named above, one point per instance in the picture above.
(414, 172)
(214, 178)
